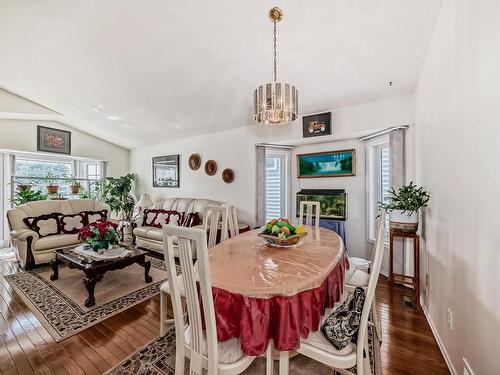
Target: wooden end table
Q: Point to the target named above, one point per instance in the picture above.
(94, 270)
(413, 281)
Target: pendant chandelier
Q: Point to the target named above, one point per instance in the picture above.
(275, 103)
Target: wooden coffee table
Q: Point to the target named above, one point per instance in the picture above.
(94, 270)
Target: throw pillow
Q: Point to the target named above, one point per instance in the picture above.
(158, 217)
(94, 216)
(341, 327)
(71, 224)
(44, 225)
(191, 219)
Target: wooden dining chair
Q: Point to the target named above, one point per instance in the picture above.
(318, 348)
(192, 341)
(309, 209)
(232, 220)
(215, 218)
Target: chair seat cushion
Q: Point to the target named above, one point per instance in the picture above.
(229, 351)
(165, 287)
(56, 242)
(358, 279)
(359, 263)
(317, 340)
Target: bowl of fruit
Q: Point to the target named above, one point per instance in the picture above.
(280, 233)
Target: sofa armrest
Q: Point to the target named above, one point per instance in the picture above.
(23, 234)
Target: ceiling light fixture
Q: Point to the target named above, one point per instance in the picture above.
(275, 103)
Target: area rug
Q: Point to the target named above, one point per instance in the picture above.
(158, 358)
(59, 305)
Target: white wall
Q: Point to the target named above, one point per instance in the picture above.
(21, 135)
(236, 149)
(457, 143)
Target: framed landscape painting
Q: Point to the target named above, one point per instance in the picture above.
(327, 164)
(53, 140)
(166, 171)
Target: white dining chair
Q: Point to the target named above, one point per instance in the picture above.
(309, 209)
(215, 218)
(232, 220)
(200, 346)
(318, 348)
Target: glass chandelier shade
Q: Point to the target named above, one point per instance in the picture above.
(276, 103)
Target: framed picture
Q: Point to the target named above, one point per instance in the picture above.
(317, 125)
(53, 140)
(166, 171)
(327, 164)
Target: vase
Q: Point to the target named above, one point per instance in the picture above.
(403, 221)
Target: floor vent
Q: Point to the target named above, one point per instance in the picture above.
(409, 303)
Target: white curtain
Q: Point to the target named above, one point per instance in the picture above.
(260, 213)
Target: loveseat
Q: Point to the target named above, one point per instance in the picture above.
(38, 228)
(147, 232)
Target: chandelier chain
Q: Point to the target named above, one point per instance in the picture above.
(274, 48)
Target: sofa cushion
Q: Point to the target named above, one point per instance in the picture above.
(93, 216)
(44, 225)
(71, 224)
(55, 242)
(157, 217)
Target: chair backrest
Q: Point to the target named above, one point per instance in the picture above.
(215, 218)
(307, 208)
(186, 238)
(378, 253)
(232, 220)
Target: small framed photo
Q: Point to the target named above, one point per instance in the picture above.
(317, 125)
(166, 171)
(53, 140)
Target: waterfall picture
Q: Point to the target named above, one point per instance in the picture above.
(327, 164)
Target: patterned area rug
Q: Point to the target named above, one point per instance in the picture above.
(59, 305)
(158, 358)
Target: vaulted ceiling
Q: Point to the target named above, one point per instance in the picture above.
(143, 72)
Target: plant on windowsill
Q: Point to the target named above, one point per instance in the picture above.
(23, 184)
(404, 207)
(74, 185)
(50, 181)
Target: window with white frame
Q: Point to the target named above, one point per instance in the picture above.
(26, 167)
(378, 182)
(92, 171)
(277, 186)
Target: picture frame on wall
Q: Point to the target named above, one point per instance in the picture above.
(166, 171)
(338, 163)
(53, 140)
(317, 125)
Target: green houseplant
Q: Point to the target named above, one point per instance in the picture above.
(51, 180)
(27, 195)
(404, 205)
(116, 192)
(74, 185)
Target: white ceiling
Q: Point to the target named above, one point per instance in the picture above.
(143, 72)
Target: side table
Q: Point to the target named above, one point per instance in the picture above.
(413, 281)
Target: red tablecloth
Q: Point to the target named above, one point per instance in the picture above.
(285, 319)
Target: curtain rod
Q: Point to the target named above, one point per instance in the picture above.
(382, 132)
(274, 146)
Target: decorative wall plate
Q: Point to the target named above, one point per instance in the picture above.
(227, 175)
(210, 167)
(194, 161)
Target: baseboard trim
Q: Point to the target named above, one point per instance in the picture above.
(438, 338)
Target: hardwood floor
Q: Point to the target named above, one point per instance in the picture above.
(27, 348)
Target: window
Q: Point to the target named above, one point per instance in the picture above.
(276, 184)
(40, 168)
(378, 182)
(92, 171)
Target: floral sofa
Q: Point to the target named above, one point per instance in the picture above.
(38, 228)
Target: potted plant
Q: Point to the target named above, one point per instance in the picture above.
(74, 185)
(404, 207)
(22, 184)
(116, 192)
(25, 196)
(100, 235)
(50, 180)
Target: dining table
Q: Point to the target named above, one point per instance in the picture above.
(265, 294)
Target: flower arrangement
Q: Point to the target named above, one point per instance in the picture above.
(100, 235)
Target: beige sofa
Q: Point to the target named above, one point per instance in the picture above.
(150, 238)
(32, 248)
